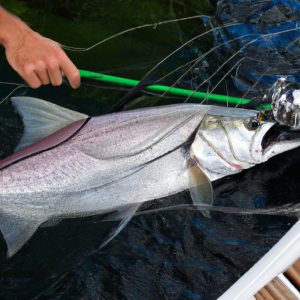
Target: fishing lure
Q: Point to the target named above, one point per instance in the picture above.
(286, 103)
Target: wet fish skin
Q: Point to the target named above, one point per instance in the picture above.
(124, 159)
(225, 146)
(113, 161)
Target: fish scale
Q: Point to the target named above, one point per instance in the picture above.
(118, 161)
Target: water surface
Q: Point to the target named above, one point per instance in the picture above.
(169, 255)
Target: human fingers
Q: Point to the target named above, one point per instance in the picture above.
(43, 74)
(54, 72)
(70, 71)
(31, 78)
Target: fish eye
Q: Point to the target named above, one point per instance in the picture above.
(259, 116)
(252, 123)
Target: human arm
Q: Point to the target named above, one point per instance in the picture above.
(37, 59)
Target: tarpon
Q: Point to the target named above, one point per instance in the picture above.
(115, 162)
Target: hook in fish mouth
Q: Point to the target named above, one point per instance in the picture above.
(279, 134)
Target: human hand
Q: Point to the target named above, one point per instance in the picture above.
(36, 58)
(39, 61)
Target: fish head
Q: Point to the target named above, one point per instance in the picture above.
(231, 139)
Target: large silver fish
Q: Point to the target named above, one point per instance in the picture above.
(115, 162)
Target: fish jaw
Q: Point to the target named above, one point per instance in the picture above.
(272, 139)
(279, 139)
(224, 146)
(256, 148)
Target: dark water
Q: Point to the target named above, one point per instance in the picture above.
(179, 254)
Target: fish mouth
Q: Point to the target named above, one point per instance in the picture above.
(279, 135)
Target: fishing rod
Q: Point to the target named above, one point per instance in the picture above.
(162, 89)
(156, 88)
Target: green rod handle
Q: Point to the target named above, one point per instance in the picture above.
(162, 88)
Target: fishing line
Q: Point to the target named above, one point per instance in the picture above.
(157, 88)
(247, 44)
(224, 77)
(128, 30)
(253, 86)
(163, 22)
(200, 58)
(12, 83)
(207, 98)
(288, 210)
(251, 13)
(154, 25)
(127, 90)
(18, 87)
(292, 43)
(227, 92)
(179, 69)
(122, 102)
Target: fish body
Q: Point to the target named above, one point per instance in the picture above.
(118, 161)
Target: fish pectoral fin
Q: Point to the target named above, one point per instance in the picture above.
(119, 214)
(126, 213)
(42, 118)
(199, 185)
(16, 230)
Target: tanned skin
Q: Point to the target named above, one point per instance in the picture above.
(37, 59)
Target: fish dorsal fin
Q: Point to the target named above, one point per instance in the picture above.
(42, 118)
(199, 185)
(125, 213)
(17, 230)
